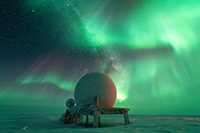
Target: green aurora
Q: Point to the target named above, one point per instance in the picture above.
(146, 82)
(152, 24)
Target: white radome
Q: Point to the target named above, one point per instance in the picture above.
(95, 85)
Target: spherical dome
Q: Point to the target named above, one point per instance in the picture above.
(95, 88)
(70, 103)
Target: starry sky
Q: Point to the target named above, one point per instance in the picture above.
(150, 49)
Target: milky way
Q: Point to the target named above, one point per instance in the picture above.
(149, 48)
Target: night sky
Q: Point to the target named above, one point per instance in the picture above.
(150, 49)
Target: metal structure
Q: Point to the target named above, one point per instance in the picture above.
(98, 97)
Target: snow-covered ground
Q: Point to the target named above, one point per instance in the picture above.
(109, 123)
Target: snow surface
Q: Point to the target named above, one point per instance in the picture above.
(109, 123)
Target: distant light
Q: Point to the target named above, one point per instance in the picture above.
(120, 97)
